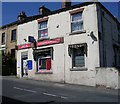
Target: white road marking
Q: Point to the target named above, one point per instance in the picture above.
(25, 89)
(29, 90)
(49, 94)
(18, 88)
(63, 97)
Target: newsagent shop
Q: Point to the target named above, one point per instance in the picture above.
(68, 46)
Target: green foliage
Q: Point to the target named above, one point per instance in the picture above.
(8, 64)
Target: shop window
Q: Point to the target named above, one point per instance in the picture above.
(13, 35)
(44, 59)
(44, 63)
(76, 22)
(3, 38)
(42, 30)
(78, 53)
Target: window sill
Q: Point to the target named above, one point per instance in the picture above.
(41, 39)
(77, 32)
(2, 43)
(45, 72)
(13, 41)
(79, 69)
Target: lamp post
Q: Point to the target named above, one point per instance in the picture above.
(32, 40)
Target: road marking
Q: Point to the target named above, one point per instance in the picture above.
(29, 90)
(63, 97)
(18, 88)
(49, 94)
(24, 89)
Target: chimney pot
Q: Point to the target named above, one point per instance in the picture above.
(66, 3)
(43, 10)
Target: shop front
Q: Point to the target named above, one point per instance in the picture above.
(44, 59)
(47, 60)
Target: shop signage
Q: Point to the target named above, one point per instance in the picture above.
(29, 64)
(23, 46)
(42, 43)
(50, 42)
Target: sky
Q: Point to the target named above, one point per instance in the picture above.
(10, 10)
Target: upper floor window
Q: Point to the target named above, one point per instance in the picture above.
(42, 30)
(76, 22)
(3, 38)
(13, 35)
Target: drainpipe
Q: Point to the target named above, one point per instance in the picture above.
(103, 44)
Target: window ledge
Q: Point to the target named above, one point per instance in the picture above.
(44, 72)
(79, 69)
(2, 43)
(78, 32)
(13, 41)
(41, 39)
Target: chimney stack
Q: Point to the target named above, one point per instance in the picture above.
(66, 3)
(43, 10)
(22, 16)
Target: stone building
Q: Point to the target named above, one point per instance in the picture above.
(72, 43)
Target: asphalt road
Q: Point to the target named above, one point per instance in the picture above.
(20, 91)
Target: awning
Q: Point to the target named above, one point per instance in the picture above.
(42, 50)
(78, 45)
(72, 46)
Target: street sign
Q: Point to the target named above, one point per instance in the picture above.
(31, 39)
(29, 64)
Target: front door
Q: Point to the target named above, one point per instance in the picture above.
(24, 67)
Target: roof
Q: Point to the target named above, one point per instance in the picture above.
(30, 18)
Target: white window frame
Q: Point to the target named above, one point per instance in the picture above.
(48, 57)
(81, 20)
(39, 37)
(73, 66)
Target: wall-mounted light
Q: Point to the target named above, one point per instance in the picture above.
(93, 37)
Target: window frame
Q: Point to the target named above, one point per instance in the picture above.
(12, 35)
(70, 52)
(3, 39)
(77, 21)
(73, 59)
(48, 57)
(46, 28)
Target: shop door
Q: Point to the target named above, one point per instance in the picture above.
(24, 67)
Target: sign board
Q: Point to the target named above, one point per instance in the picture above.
(29, 64)
(23, 46)
(41, 43)
(31, 39)
(50, 42)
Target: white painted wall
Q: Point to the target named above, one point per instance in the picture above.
(108, 77)
(62, 62)
(25, 30)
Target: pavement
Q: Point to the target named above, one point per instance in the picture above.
(23, 90)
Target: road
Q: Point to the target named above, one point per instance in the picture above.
(33, 92)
